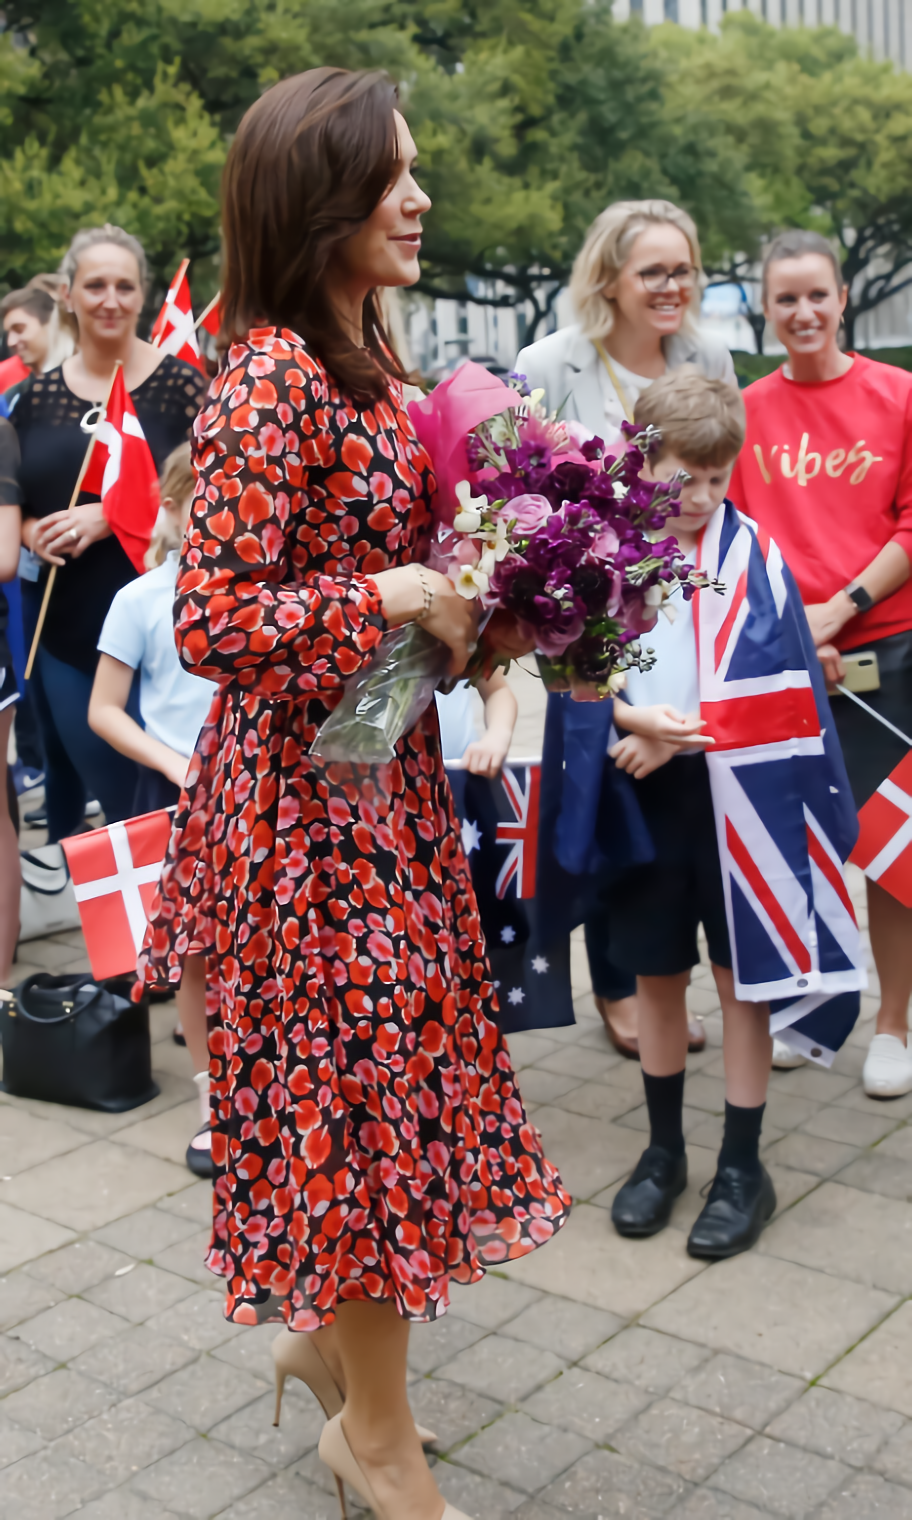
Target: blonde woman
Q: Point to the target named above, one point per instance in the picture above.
(635, 288)
(138, 634)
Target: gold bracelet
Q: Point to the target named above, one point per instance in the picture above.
(427, 592)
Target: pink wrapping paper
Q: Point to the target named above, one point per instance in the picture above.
(469, 396)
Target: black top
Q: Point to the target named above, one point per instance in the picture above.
(9, 497)
(46, 417)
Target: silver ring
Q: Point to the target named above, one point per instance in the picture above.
(73, 533)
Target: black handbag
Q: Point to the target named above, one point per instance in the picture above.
(69, 1039)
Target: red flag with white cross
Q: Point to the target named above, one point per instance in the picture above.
(174, 330)
(122, 473)
(884, 848)
(115, 872)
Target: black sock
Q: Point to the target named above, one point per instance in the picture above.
(665, 1102)
(741, 1139)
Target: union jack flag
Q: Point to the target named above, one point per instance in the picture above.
(785, 821)
(520, 832)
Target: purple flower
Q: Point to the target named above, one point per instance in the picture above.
(567, 482)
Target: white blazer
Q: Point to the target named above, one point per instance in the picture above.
(568, 368)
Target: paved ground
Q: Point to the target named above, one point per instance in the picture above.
(597, 1378)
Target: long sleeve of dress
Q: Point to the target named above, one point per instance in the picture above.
(278, 483)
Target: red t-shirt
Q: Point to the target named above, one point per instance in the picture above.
(12, 370)
(827, 470)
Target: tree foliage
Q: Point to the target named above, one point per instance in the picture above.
(530, 116)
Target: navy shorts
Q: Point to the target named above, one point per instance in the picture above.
(655, 910)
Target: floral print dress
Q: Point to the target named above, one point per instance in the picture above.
(368, 1133)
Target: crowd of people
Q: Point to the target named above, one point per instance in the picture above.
(359, 1112)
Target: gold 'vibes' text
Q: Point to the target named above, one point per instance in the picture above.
(808, 464)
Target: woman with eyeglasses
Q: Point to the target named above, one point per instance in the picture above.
(635, 288)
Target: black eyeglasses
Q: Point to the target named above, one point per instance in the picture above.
(657, 278)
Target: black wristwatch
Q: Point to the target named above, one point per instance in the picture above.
(863, 601)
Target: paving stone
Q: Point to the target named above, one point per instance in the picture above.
(848, 1127)
(54, 1404)
(251, 1428)
(814, 1082)
(26, 1140)
(832, 1230)
(590, 1155)
(46, 1485)
(205, 1392)
(145, 1233)
(23, 1236)
(894, 1459)
(491, 1302)
(779, 1478)
(194, 1202)
(22, 1297)
(687, 1440)
(772, 1311)
(522, 1453)
(598, 1100)
(69, 1328)
(878, 1172)
(502, 1368)
(167, 1134)
(709, 1504)
(593, 1406)
(590, 1263)
(857, 1098)
(198, 1321)
(878, 1367)
(743, 1391)
(93, 1185)
(810, 1153)
(610, 1486)
(836, 1425)
(19, 1363)
(121, 1504)
(140, 1293)
(188, 1259)
(566, 1328)
(431, 1345)
(201, 1478)
(16, 1442)
(284, 1496)
(251, 1351)
(78, 1266)
(318, 1475)
(899, 1143)
(479, 1498)
(534, 1509)
(651, 1361)
(540, 1085)
(125, 1439)
(869, 1497)
(585, 1065)
(452, 1412)
(133, 1361)
(527, 1049)
(784, 1111)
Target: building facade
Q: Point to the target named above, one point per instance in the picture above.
(882, 28)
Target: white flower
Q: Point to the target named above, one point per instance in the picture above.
(496, 539)
(536, 395)
(619, 489)
(470, 581)
(655, 595)
(617, 682)
(488, 562)
(467, 522)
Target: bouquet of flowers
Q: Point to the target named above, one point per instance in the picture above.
(533, 517)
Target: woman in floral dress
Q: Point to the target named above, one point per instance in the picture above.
(370, 1140)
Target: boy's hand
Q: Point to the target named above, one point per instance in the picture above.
(665, 723)
(640, 756)
(486, 755)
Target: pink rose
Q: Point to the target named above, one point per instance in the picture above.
(529, 511)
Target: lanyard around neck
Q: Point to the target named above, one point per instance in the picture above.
(626, 408)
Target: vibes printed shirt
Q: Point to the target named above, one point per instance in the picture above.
(826, 470)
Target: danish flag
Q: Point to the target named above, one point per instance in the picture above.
(520, 833)
(122, 473)
(115, 871)
(884, 848)
(174, 330)
(783, 809)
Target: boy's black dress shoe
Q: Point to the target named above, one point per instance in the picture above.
(643, 1205)
(740, 1203)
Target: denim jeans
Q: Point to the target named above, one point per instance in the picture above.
(80, 765)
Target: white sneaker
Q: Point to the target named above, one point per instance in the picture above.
(784, 1058)
(888, 1067)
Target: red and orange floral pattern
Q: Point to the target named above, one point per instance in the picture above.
(367, 1128)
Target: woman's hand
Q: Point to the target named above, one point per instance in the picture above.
(451, 618)
(66, 533)
(833, 665)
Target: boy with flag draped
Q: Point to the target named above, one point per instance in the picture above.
(742, 787)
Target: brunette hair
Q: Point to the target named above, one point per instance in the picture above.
(701, 420)
(609, 244)
(177, 481)
(36, 302)
(310, 162)
(796, 243)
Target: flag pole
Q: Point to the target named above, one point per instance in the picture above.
(211, 307)
(185, 265)
(873, 714)
(39, 627)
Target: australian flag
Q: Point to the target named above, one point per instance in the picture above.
(500, 836)
(785, 820)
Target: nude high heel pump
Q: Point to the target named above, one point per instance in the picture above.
(340, 1459)
(296, 1355)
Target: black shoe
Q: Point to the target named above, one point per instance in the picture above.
(643, 1206)
(200, 1161)
(740, 1203)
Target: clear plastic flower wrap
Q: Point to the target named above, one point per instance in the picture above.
(385, 699)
